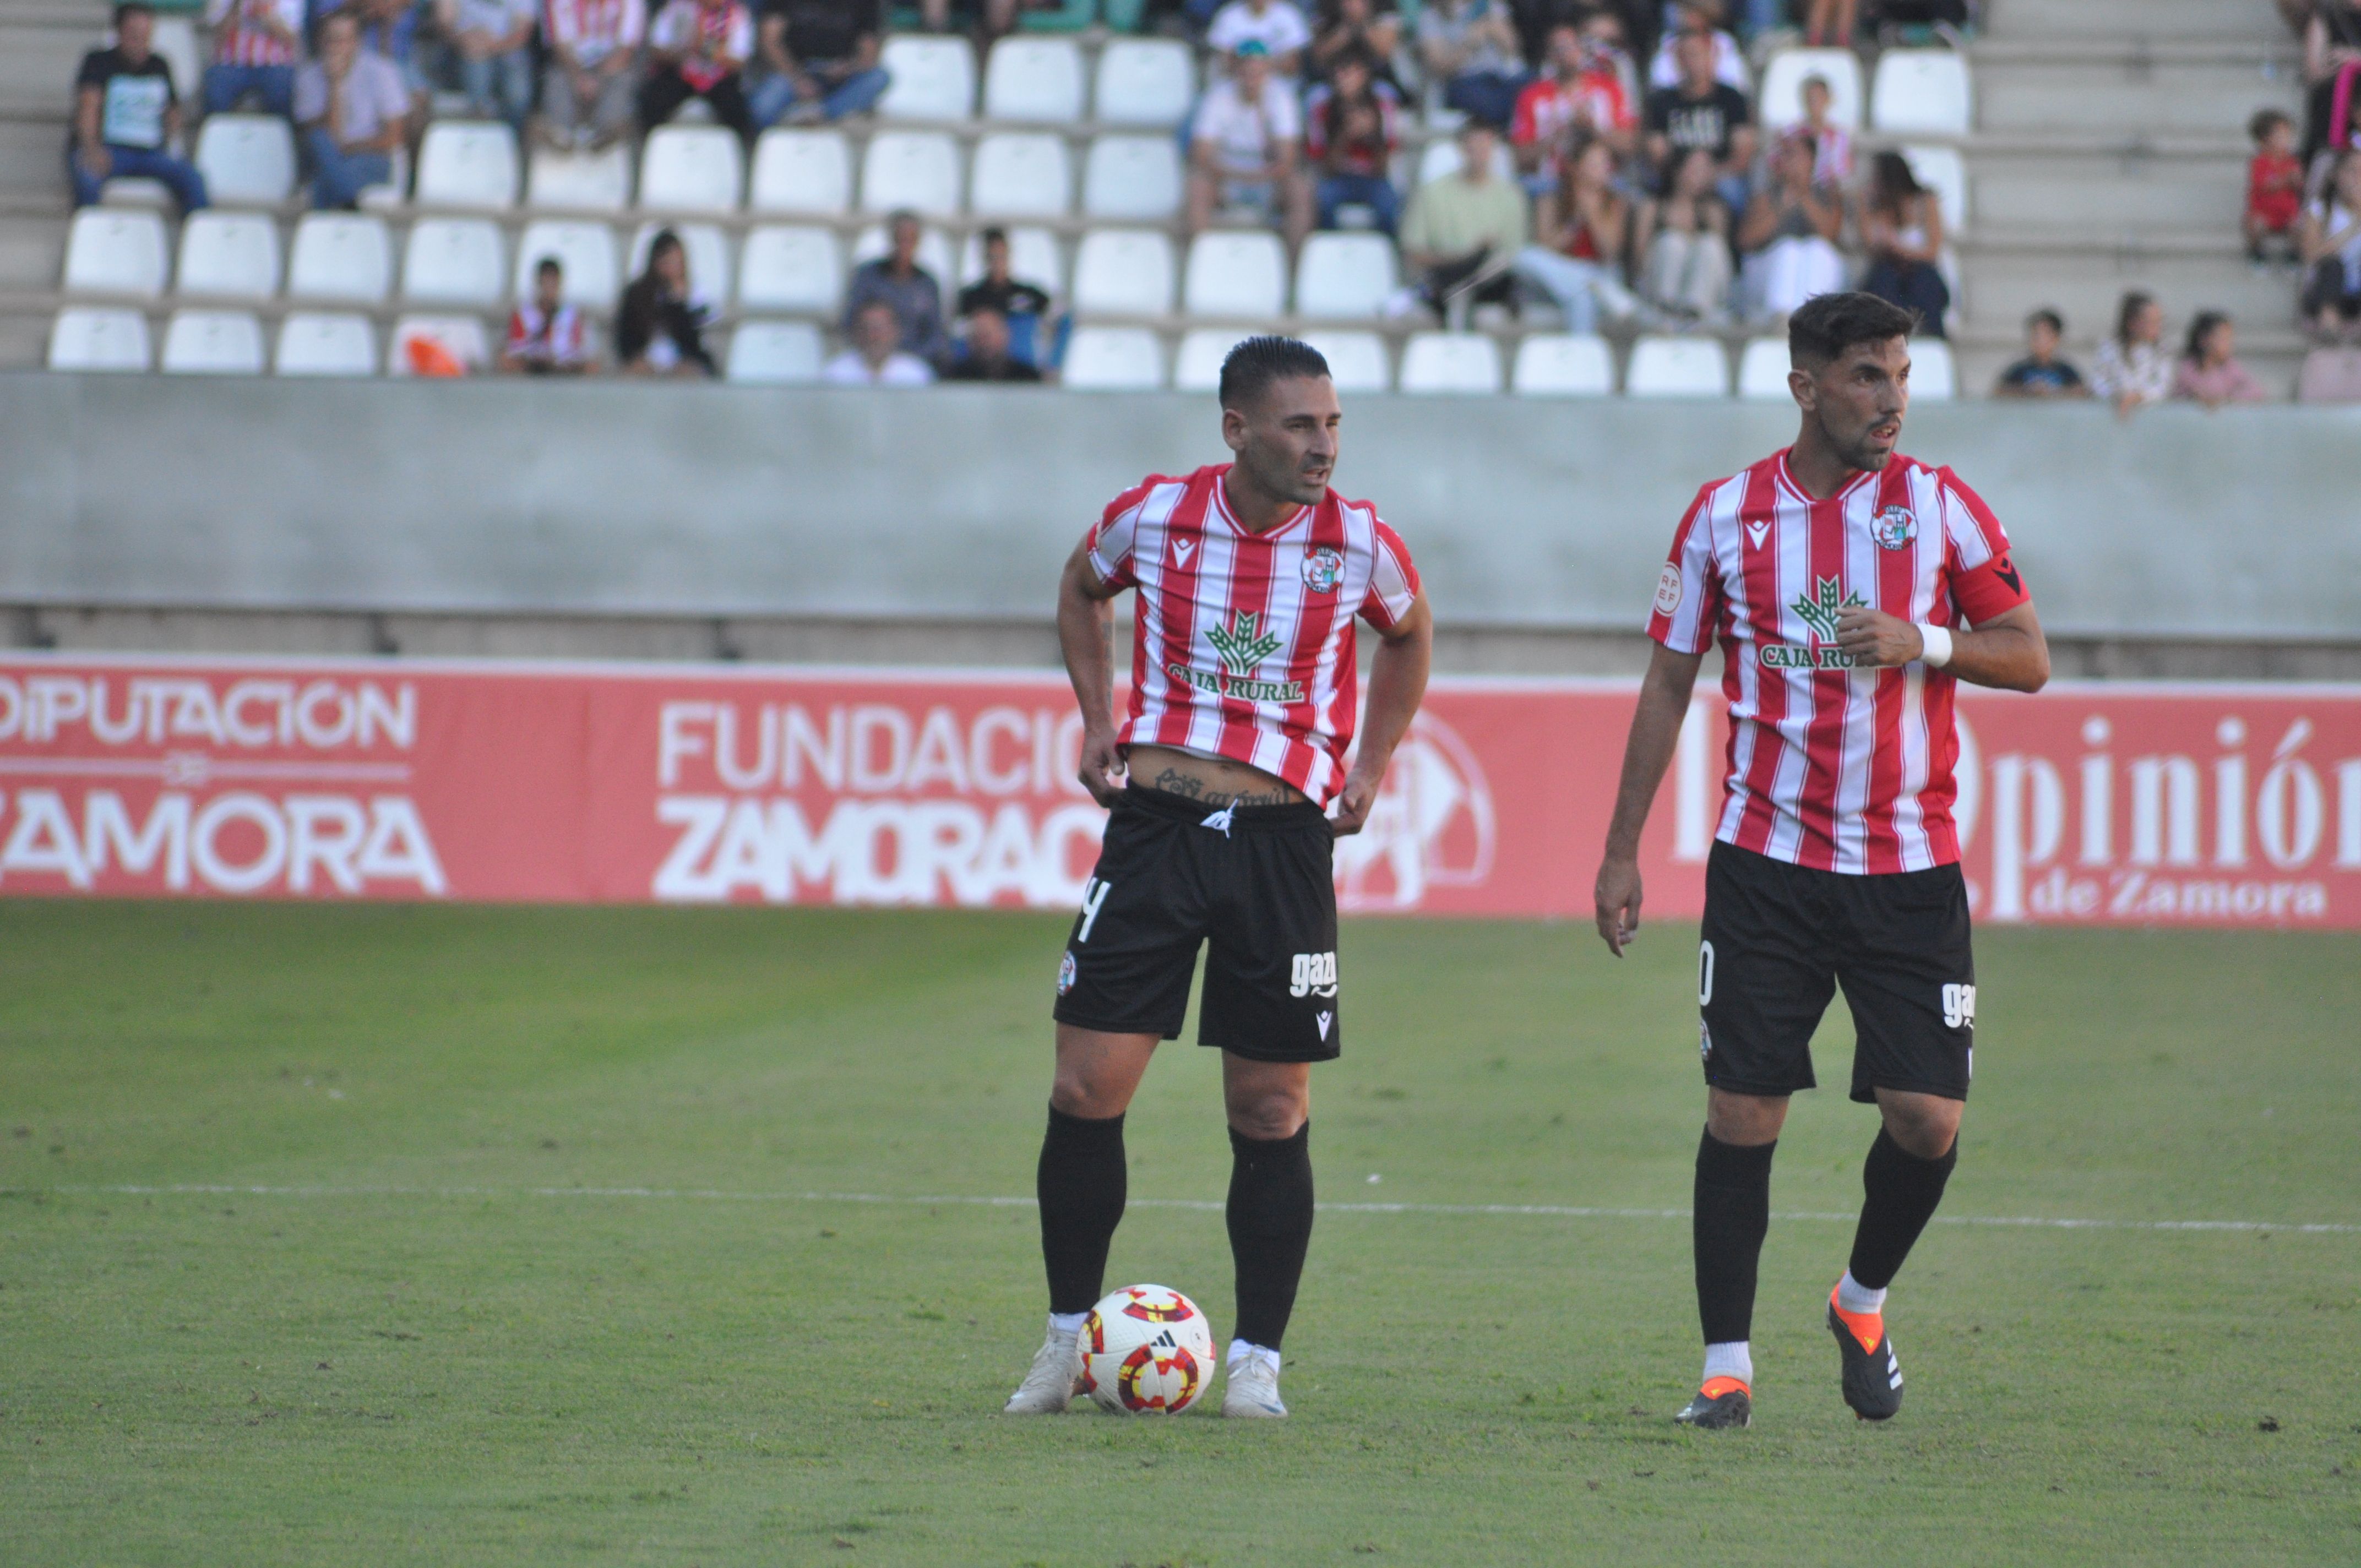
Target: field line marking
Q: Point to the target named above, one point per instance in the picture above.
(1540, 1211)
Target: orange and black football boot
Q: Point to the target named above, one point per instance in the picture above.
(1872, 1377)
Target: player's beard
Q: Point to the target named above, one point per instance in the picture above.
(1282, 475)
(1861, 452)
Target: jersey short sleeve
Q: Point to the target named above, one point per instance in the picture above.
(1689, 591)
(1984, 581)
(1393, 582)
(1111, 542)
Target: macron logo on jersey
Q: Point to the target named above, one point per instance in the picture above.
(1181, 550)
(1756, 533)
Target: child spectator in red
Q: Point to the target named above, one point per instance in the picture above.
(2274, 186)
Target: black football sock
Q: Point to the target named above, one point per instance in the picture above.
(1733, 1211)
(1270, 1229)
(1902, 1190)
(1080, 1184)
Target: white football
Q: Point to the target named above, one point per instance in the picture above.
(1147, 1350)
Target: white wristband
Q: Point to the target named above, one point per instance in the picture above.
(1938, 645)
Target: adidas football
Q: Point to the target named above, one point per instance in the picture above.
(1147, 1350)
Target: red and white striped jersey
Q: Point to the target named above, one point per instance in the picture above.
(240, 38)
(1843, 769)
(1244, 643)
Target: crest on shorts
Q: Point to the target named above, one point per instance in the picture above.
(1895, 528)
(1066, 974)
(1323, 569)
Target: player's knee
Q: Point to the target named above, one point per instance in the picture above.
(1076, 1091)
(1744, 1119)
(1924, 1126)
(1267, 1114)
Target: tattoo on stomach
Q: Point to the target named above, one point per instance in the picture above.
(1172, 781)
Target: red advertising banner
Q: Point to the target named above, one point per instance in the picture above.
(2093, 803)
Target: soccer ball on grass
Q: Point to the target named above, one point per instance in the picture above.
(1147, 1350)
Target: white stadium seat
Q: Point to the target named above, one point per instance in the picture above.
(135, 190)
(709, 257)
(934, 249)
(1144, 81)
(1134, 179)
(1564, 365)
(230, 256)
(323, 342)
(340, 255)
(248, 160)
(1343, 277)
(385, 197)
(1198, 366)
(1238, 274)
(1033, 79)
(453, 261)
(933, 78)
(1942, 170)
(1451, 362)
(1922, 91)
(1356, 360)
(88, 338)
(1781, 103)
(213, 343)
(1934, 377)
(1123, 272)
(1033, 258)
(111, 251)
(1678, 367)
(790, 268)
(1440, 160)
(1763, 371)
(775, 354)
(1021, 175)
(918, 170)
(175, 39)
(692, 169)
(580, 182)
(587, 251)
(467, 163)
(1113, 359)
(802, 172)
(462, 337)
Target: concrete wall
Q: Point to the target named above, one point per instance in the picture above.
(613, 499)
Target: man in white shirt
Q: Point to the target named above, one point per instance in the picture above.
(876, 357)
(1276, 25)
(1242, 148)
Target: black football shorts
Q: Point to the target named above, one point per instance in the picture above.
(1779, 938)
(1254, 880)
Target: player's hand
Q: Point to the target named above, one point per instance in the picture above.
(1103, 770)
(1876, 639)
(1353, 806)
(1617, 897)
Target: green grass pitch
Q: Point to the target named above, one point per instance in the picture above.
(426, 1344)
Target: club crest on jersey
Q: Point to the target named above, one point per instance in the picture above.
(1895, 528)
(1323, 569)
(1242, 645)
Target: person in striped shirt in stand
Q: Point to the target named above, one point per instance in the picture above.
(1241, 713)
(256, 45)
(545, 333)
(592, 80)
(1851, 589)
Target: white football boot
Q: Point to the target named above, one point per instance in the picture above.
(1251, 1388)
(1056, 1376)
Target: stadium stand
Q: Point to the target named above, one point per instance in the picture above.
(212, 343)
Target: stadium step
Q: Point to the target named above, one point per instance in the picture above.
(2174, 20)
(2202, 98)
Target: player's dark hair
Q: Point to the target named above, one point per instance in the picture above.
(1828, 324)
(1257, 362)
(2201, 327)
(2265, 122)
(130, 6)
(549, 264)
(993, 233)
(2049, 318)
(2134, 300)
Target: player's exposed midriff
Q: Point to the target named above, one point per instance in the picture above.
(1216, 781)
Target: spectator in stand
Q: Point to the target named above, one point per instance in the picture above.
(698, 48)
(822, 58)
(1370, 28)
(1021, 306)
(1789, 234)
(2133, 366)
(1463, 231)
(2274, 187)
(352, 108)
(593, 80)
(2041, 374)
(1242, 149)
(2209, 371)
(1471, 46)
(1832, 143)
(390, 30)
(545, 333)
(908, 291)
(257, 44)
(1276, 25)
(876, 356)
(1582, 96)
(1350, 130)
(1830, 23)
(126, 112)
(1701, 114)
(988, 354)
(1580, 231)
(493, 39)
(1682, 243)
(1703, 17)
(1901, 227)
(2330, 247)
(660, 325)
(2331, 71)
